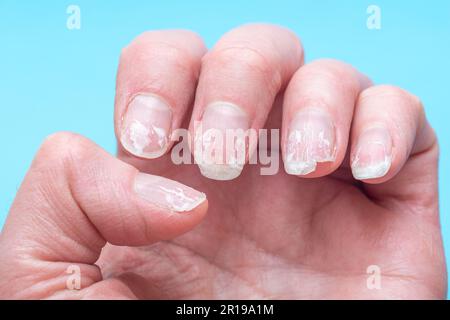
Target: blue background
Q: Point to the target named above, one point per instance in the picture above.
(53, 79)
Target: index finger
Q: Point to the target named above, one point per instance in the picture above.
(156, 82)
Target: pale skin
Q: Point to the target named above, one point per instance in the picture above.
(282, 236)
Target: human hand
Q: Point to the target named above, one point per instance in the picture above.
(361, 189)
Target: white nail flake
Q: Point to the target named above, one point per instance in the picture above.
(141, 137)
(178, 201)
(373, 170)
(304, 151)
(162, 136)
(206, 149)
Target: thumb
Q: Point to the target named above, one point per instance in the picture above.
(75, 198)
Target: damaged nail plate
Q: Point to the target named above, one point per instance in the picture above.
(146, 127)
(310, 140)
(373, 155)
(167, 193)
(220, 147)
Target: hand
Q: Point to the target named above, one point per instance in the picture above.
(360, 188)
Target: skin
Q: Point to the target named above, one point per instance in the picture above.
(263, 237)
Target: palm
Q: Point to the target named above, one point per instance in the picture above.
(283, 237)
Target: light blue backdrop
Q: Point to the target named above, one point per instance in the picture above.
(55, 79)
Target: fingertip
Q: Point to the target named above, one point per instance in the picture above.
(170, 208)
(168, 194)
(176, 223)
(317, 115)
(156, 84)
(239, 82)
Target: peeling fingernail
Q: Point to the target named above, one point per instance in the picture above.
(311, 140)
(220, 147)
(167, 193)
(373, 156)
(146, 127)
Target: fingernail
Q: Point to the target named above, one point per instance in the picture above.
(311, 139)
(373, 155)
(146, 127)
(167, 193)
(220, 144)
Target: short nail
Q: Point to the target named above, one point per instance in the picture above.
(146, 127)
(373, 155)
(310, 140)
(167, 194)
(220, 144)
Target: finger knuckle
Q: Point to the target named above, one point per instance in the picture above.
(187, 36)
(60, 149)
(265, 31)
(329, 73)
(241, 56)
(192, 38)
(328, 63)
(385, 91)
(170, 43)
(407, 99)
(335, 71)
(238, 53)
